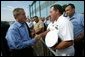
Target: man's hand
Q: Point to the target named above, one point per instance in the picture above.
(79, 38)
(33, 33)
(38, 37)
(41, 35)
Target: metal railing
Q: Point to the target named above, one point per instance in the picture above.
(42, 50)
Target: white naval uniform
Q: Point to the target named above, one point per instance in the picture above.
(65, 28)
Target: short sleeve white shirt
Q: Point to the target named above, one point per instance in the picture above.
(65, 33)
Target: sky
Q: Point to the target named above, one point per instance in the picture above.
(7, 8)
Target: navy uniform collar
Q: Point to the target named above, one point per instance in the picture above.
(73, 17)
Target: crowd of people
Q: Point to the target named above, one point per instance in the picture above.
(26, 32)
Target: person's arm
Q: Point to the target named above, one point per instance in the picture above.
(81, 35)
(14, 39)
(67, 36)
(64, 44)
(44, 33)
(79, 38)
(30, 42)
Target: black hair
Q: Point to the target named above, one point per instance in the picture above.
(72, 5)
(64, 6)
(57, 7)
(36, 17)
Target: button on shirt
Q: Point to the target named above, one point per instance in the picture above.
(78, 23)
(65, 28)
(18, 36)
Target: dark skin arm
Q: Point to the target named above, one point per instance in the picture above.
(64, 44)
(79, 38)
(44, 33)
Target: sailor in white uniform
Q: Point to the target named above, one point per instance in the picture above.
(65, 27)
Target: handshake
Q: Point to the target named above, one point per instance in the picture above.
(38, 37)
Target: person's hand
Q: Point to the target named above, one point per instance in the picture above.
(38, 37)
(33, 33)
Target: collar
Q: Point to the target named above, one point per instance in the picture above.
(19, 24)
(73, 17)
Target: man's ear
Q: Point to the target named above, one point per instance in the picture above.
(57, 11)
(73, 9)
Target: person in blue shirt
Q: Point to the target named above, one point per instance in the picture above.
(18, 36)
(78, 22)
